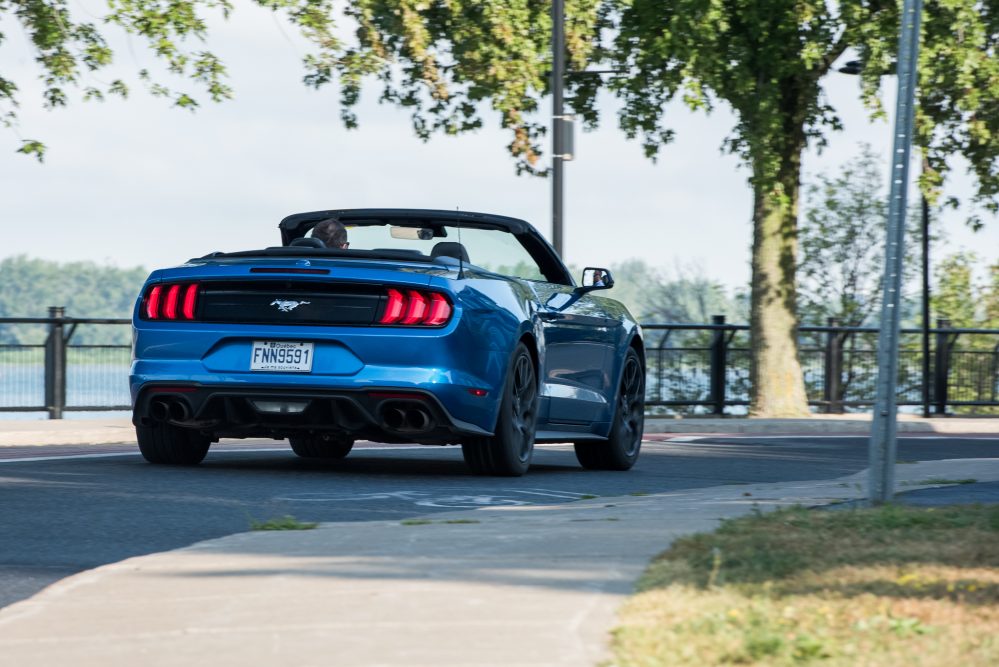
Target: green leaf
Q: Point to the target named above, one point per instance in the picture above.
(32, 147)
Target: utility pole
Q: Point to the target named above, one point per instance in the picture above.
(926, 302)
(883, 445)
(558, 119)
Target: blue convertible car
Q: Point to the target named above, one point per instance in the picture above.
(433, 327)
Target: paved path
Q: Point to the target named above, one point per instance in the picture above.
(69, 508)
(530, 577)
(503, 586)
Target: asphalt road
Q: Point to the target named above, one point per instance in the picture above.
(64, 515)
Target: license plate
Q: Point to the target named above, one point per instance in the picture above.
(281, 355)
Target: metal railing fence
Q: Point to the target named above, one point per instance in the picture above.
(706, 367)
(691, 368)
(56, 374)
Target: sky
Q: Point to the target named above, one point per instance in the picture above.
(140, 183)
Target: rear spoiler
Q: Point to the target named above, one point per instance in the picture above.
(324, 253)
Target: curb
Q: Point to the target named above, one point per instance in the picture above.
(28, 433)
(861, 425)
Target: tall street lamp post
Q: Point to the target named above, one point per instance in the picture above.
(558, 120)
(926, 302)
(883, 444)
(563, 145)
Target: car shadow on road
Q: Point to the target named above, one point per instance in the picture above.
(444, 461)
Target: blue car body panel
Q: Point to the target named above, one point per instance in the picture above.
(578, 338)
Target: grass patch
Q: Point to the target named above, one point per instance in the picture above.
(639, 493)
(886, 586)
(588, 496)
(461, 521)
(415, 522)
(287, 522)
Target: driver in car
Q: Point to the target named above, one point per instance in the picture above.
(332, 233)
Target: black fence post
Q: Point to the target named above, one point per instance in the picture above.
(718, 362)
(994, 372)
(833, 378)
(55, 364)
(941, 367)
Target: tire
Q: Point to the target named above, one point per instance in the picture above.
(508, 452)
(620, 450)
(168, 444)
(321, 446)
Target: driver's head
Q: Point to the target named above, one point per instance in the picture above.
(331, 232)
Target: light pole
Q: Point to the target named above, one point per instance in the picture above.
(563, 146)
(558, 118)
(883, 443)
(926, 301)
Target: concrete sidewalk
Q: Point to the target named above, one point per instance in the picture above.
(115, 431)
(515, 586)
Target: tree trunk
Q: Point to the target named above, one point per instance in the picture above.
(778, 387)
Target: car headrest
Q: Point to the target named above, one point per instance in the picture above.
(450, 249)
(308, 242)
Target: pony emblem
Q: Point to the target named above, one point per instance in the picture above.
(288, 306)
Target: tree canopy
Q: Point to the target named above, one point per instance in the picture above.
(68, 47)
(766, 59)
(842, 237)
(31, 285)
(441, 60)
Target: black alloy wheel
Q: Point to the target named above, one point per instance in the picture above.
(508, 452)
(172, 445)
(624, 442)
(321, 446)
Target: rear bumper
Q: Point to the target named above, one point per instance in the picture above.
(384, 414)
(453, 365)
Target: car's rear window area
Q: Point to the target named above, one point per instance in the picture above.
(490, 249)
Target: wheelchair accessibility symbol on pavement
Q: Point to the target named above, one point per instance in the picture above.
(427, 499)
(471, 502)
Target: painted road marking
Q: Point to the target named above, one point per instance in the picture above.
(422, 498)
(222, 450)
(665, 439)
(63, 457)
(570, 495)
(339, 497)
(472, 502)
(469, 500)
(32, 459)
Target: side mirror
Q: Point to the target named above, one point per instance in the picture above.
(596, 278)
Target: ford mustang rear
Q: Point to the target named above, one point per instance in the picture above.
(411, 342)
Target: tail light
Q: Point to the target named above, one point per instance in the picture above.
(415, 308)
(174, 301)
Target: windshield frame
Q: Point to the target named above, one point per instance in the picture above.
(551, 267)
